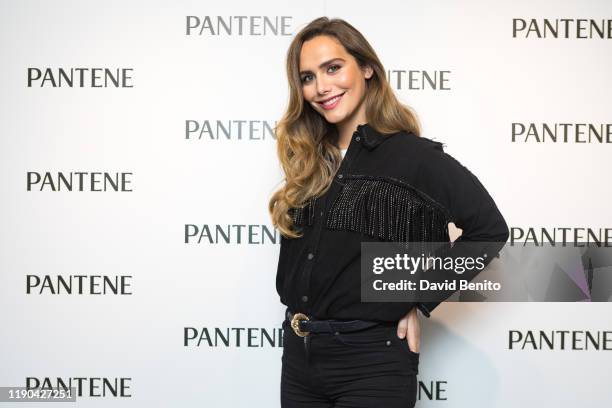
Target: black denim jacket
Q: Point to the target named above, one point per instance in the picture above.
(382, 179)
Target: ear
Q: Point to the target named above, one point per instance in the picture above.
(367, 71)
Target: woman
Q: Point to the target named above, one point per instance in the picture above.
(356, 170)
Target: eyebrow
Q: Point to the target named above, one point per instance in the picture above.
(323, 64)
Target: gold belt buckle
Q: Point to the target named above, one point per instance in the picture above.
(295, 324)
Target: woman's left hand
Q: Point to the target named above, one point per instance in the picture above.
(409, 327)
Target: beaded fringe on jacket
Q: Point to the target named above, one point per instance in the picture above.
(388, 209)
(303, 215)
(381, 207)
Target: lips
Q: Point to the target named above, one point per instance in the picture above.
(331, 102)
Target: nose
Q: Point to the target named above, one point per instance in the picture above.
(323, 87)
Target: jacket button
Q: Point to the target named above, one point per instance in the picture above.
(388, 342)
(357, 139)
(304, 298)
(340, 176)
(310, 255)
(321, 213)
(337, 333)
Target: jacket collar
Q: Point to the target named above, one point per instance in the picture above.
(371, 137)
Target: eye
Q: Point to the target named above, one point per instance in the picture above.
(334, 65)
(304, 78)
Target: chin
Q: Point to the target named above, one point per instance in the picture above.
(335, 117)
(333, 120)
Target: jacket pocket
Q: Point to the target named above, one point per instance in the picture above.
(387, 208)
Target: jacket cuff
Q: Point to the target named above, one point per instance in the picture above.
(426, 308)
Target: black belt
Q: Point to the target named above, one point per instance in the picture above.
(303, 325)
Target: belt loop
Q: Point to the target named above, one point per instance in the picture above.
(307, 347)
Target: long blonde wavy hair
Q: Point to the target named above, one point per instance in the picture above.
(306, 142)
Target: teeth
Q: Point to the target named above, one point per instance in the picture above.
(332, 101)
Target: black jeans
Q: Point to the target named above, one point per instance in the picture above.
(368, 368)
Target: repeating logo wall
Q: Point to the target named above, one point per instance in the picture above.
(138, 155)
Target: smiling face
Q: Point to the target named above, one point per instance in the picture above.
(332, 81)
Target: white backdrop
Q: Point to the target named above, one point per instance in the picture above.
(182, 182)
